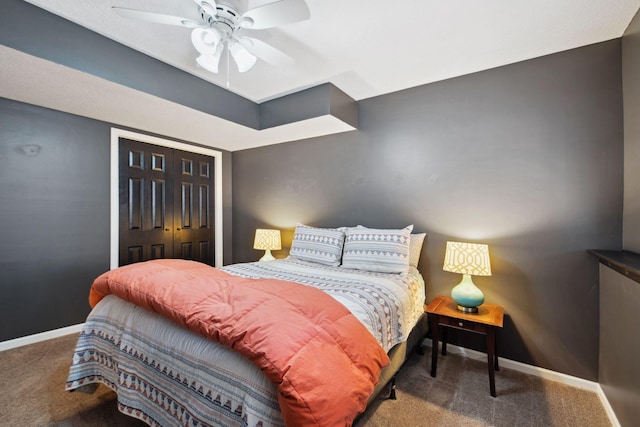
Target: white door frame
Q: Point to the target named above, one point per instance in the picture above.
(116, 134)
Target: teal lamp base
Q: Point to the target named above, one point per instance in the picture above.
(467, 295)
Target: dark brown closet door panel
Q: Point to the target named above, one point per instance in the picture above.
(194, 207)
(146, 198)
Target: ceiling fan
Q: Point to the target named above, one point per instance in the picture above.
(220, 29)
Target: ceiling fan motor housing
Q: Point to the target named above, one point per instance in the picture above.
(223, 14)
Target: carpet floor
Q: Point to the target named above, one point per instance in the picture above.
(33, 378)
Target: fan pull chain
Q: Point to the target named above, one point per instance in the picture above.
(228, 61)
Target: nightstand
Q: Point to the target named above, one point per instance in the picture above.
(443, 312)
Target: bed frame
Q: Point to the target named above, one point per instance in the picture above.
(398, 356)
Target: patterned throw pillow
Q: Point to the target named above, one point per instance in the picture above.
(415, 248)
(380, 250)
(321, 245)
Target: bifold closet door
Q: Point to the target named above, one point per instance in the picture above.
(193, 207)
(166, 204)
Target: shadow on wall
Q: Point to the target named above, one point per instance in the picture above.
(549, 291)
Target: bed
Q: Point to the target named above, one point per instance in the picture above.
(165, 373)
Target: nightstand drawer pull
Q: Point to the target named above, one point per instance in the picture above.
(460, 324)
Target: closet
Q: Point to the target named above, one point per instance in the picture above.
(166, 200)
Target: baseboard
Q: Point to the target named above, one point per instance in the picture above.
(607, 407)
(539, 372)
(43, 336)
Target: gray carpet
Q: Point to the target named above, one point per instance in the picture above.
(33, 377)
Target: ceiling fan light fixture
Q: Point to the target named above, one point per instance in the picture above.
(206, 40)
(211, 37)
(209, 62)
(244, 60)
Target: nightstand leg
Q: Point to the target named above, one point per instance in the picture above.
(434, 347)
(495, 352)
(491, 346)
(445, 337)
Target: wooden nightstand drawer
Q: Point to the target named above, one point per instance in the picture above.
(463, 324)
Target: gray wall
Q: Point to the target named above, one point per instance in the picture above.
(54, 208)
(526, 157)
(631, 87)
(619, 375)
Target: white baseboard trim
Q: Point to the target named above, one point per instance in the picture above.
(538, 372)
(608, 408)
(43, 336)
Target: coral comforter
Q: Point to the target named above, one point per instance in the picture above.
(306, 342)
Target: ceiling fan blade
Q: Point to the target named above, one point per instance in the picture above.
(157, 18)
(265, 51)
(274, 14)
(243, 58)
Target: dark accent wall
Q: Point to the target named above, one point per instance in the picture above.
(527, 158)
(317, 101)
(619, 375)
(54, 209)
(631, 87)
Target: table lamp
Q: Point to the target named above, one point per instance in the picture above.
(468, 259)
(267, 240)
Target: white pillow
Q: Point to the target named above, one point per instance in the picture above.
(321, 245)
(379, 250)
(415, 248)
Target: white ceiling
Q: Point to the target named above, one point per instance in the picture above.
(365, 47)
